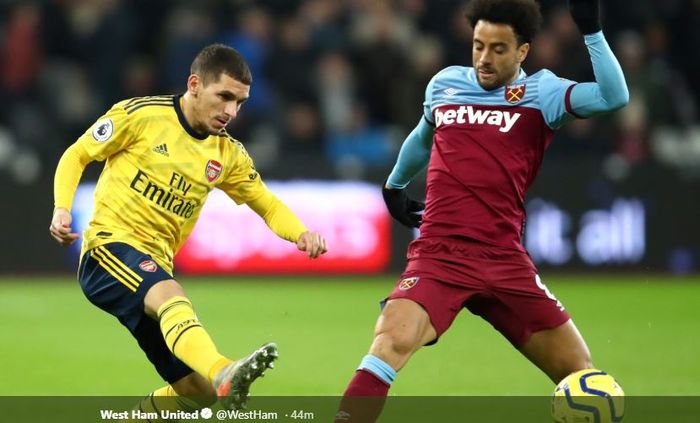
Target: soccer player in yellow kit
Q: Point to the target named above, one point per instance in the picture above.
(164, 154)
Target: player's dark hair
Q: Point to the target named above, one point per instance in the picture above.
(523, 16)
(216, 59)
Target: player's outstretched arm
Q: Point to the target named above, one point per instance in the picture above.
(68, 172)
(285, 224)
(609, 92)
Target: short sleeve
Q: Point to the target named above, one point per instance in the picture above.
(111, 133)
(554, 95)
(243, 182)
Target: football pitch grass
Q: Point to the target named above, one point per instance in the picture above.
(642, 329)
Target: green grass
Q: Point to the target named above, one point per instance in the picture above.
(643, 330)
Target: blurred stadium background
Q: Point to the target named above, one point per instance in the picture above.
(613, 216)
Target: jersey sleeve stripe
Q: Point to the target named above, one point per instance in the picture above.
(159, 103)
(136, 100)
(567, 102)
(121, 265)
(155, 100)
(109, 267)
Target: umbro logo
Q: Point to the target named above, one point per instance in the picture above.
(162, 149)
(450, 92)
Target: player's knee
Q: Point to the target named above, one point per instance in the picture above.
(579, 360)
(395, 344)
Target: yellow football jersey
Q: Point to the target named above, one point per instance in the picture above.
(158, 174)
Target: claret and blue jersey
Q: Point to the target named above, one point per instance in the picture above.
(458, 86)
(484, 147)
(487, 149)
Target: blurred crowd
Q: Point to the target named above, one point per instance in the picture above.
(337, 84)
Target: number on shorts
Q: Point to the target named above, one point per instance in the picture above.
(546, 291)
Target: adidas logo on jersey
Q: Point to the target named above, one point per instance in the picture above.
(162, 149)
(468, 114)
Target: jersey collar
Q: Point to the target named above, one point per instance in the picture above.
(471, 75)
(181, 117)
(521, 75)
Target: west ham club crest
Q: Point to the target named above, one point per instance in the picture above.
(515, 93)
(408, 283)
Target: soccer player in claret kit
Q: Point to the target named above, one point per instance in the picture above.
(483, 134)
(164, 154)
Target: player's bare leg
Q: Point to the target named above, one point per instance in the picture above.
(558, 352)
(402, 328)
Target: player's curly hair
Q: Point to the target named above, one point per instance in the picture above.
(216, 59)
(523, 15)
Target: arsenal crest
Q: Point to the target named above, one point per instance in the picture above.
(408, 283)
(148, 266)
(213, 170)
(515, 93)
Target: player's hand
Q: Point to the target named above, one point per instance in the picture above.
(402, 208)
(60, 227)
(586, 14)
(312, 243)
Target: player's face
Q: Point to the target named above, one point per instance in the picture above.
(217, 103)
(496, 54)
